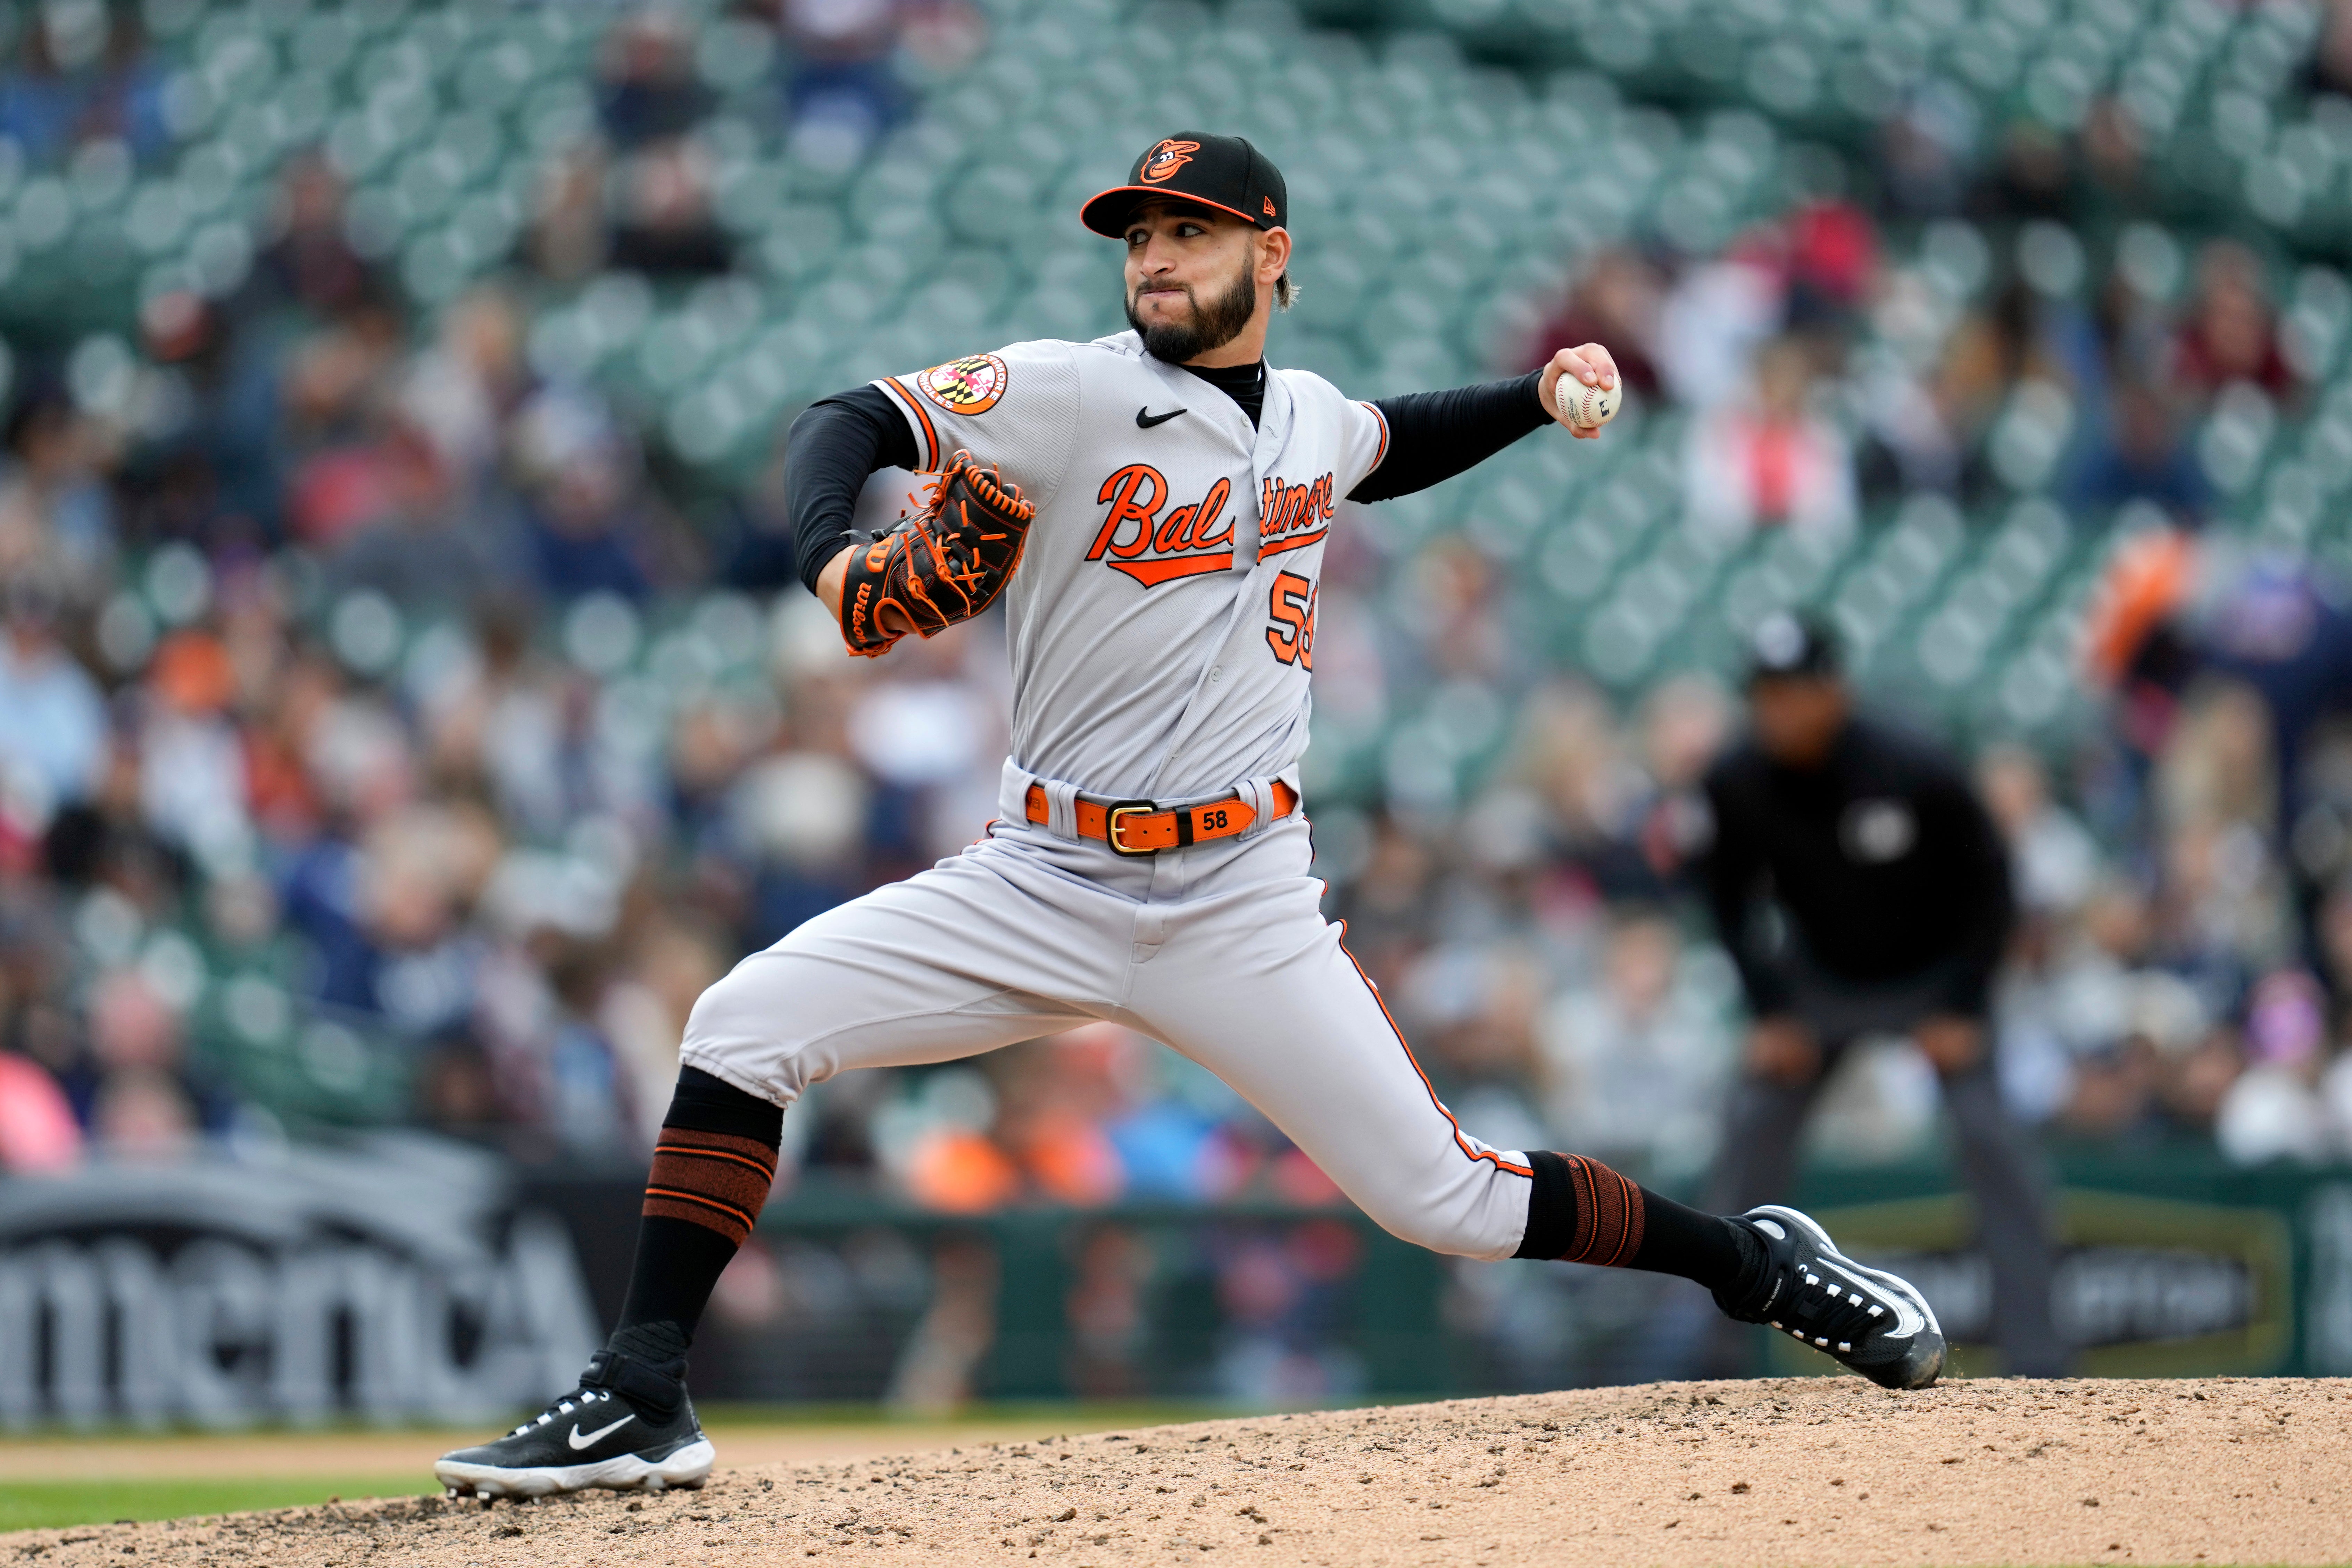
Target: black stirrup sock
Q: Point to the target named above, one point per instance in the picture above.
(712, 1167)
(1583, 1212)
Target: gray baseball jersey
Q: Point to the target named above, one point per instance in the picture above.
(1162, 626)
(1162, 620)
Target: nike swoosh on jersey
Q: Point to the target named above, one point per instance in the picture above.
(577, 1441)
(1145, 419)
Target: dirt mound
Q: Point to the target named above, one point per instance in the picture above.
(1785, 1472)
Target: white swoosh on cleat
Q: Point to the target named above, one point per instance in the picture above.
(1907, 1321)
(577, 1441)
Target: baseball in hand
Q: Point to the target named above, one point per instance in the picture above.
(1588, 408)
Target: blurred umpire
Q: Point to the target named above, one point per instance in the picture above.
(1862, 890)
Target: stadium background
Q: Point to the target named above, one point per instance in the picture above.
(406, 705)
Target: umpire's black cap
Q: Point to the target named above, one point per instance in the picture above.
(1222, 172)
(1792, 648)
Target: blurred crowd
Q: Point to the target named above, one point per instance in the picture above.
(1827, 382)
(381, 738)
(388, 736)
(2181, 967)
(80, 72)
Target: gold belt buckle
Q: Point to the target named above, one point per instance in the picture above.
(1115, 825)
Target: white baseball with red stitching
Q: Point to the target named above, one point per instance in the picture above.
(1583, 406)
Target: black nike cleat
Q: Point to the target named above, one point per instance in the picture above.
(628, 1426)
(1871, 1321)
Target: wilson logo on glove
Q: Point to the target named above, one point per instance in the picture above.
(944, 563)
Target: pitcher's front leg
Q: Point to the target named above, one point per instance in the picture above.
(1282, 1013)
(943, 966)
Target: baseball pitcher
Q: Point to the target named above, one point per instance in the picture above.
(1152, 508)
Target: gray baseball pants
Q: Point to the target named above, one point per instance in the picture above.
(1218, 950)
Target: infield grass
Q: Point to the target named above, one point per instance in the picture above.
(56, 1480)
(54, 1505)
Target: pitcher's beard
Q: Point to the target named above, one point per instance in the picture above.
(1211, 328)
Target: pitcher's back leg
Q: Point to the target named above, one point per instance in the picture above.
(1273, 1003)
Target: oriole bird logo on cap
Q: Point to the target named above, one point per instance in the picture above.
(1165, 159)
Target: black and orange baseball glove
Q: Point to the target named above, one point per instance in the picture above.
(942, 564)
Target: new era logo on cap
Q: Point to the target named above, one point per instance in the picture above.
(1222, 172)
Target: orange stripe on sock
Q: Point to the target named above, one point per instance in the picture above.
(694, 1138)
(1609, 1217)
(741, 1219)
(716, 1180)
(688, 1151)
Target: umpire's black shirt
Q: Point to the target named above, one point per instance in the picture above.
(1881, 857)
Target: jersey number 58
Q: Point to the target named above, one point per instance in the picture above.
(1292, 634)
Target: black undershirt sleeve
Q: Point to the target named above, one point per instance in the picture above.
(841, 441)
(835, 446)
(1434, 435)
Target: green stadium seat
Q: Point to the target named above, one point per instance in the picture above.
(1441, 203)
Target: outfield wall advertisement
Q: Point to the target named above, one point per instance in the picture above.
(398, 1281)
(407, 1278)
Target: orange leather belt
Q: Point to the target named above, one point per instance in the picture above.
(1145, 828)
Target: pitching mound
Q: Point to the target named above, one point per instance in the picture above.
(1788, 1472)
